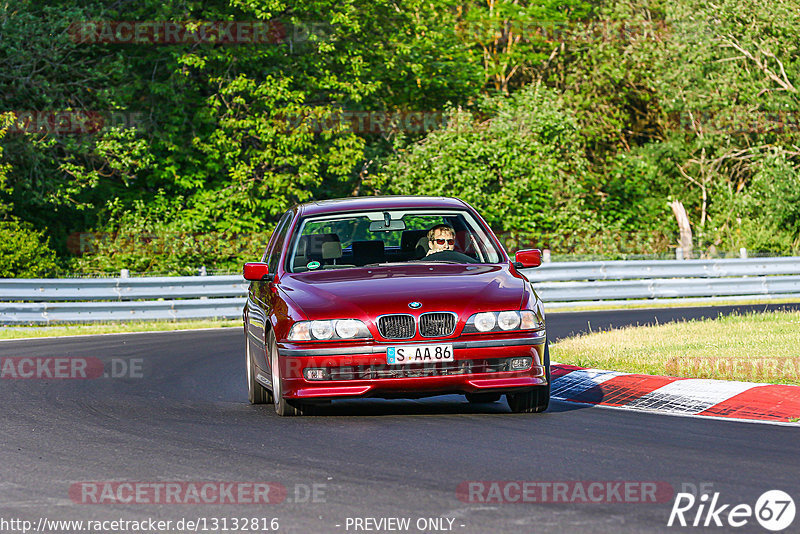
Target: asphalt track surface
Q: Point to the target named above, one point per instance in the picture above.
(186, 418)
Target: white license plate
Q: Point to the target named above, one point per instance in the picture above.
(419, 354)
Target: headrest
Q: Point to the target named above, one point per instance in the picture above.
(422, 246)
(314, 242)
(331, 250)
(368, 247)
(365, 252)
(409, 239)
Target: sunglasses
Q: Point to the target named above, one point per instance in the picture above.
(443, 241)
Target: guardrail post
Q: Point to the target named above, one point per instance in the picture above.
(743, 253)
(203, 271)
(124, 273)
(679, 253)
(546, 255)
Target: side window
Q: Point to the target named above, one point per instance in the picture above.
(276, 243)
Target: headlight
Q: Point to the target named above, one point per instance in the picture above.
(329, 329)
(484, 321)
(505, 321)
(322, 329)
(347, 328)
(508, 320)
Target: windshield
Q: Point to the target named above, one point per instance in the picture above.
(348, 240)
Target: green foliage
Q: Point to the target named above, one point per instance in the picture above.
(24, 252)
(43, 71)
(776, 189)
(522, 169)
(572, 124)
(766, 217)
(5, 190)
(141, 241)
(604, 67)
(687, 103)
(510, 38)
(632, 192)
(269, 164)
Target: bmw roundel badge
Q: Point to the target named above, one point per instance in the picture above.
(415, 305)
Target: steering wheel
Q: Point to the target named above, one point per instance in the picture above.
(449, 255)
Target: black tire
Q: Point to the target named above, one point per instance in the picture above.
(283, 407)
(482, 398)
(256, 393)
(537, 399)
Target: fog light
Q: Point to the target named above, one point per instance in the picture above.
(316, 374)
(519, 364)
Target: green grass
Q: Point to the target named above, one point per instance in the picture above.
(756, 347)
(666, 303)
(22, 332)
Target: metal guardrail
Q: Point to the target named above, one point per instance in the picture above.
(626, 270)
(564, 284)
(183, 287)
(46, 301)
(146, 310)
(661, 288)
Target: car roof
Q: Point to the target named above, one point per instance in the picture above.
(378, 203)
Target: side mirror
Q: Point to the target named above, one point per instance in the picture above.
(528, 258)
(255, 271)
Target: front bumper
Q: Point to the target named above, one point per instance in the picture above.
(361, 370)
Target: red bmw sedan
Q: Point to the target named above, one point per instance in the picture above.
(392, 297)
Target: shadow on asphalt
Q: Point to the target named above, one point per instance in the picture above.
(445, 405)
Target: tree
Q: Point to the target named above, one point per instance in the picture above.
(24, 252)
(522, 169)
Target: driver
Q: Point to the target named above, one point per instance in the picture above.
(440, 238)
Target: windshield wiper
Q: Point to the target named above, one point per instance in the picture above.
(451, 262)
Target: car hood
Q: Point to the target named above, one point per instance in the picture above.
(368, 292)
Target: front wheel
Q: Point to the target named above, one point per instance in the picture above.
(283, 407)
(537, 399)
(256, 393)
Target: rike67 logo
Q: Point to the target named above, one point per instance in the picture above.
(774, 510)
